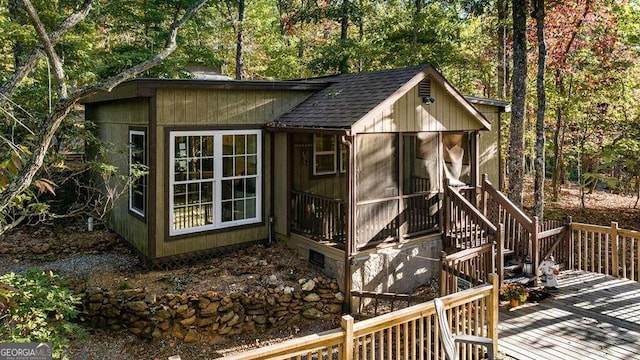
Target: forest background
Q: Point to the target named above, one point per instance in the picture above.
(57, 52)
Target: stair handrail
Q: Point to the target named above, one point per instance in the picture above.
(521, 217)
(451, 191)
(495, 233)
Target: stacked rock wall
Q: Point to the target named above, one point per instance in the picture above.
(210, 316)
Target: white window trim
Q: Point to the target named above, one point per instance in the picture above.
(331, 152)
(132, 133)
(217, 180)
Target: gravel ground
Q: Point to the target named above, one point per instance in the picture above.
(78, 265)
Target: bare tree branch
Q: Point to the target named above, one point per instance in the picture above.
(52, 55)
(65, 105)
(9, 86)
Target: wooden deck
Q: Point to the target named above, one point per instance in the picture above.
(592, 316)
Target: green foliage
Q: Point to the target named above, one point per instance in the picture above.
(39, 308)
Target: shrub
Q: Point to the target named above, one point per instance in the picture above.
(37, 308)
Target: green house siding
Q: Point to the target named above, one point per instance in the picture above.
(114, 120)
(213, 109)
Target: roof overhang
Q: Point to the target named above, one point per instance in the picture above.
(147, 87)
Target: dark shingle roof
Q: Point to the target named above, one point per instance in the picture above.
(347, 99)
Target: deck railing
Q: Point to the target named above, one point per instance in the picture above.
(318, 217)
(605, 250)
(410, 333)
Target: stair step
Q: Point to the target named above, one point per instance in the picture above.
(522, 279)
(512, 268)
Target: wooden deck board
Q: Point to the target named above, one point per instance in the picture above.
(592, 316)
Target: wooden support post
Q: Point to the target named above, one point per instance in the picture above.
(500, 254)
(535, 248)
(483, 196)
(615, 266)
(347, 326)
(493, 311)
(446, 221)
(570, 244)
(443, 274)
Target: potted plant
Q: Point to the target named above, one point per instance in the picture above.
(514, 293)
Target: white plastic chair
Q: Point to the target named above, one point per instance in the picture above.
(449, 341)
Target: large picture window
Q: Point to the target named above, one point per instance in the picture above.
(215, 179)
(137, 170)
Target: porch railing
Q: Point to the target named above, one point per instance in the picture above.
(318, 217)
(606, 250)
(410, 333)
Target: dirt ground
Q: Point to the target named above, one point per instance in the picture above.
(601, 207)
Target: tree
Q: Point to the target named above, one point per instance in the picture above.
(32, 153)
(233, 11)
(515, 158)
(539, 15)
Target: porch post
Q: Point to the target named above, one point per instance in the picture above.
(348, 140)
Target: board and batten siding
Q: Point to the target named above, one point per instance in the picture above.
(114, 119)
(489, 154)
(220, 108)
(333, 186)
(280, 179)
(215, 109)
(409, 114)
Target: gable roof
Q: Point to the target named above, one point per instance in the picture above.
(356, 97)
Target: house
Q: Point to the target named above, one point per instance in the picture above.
(347, 169)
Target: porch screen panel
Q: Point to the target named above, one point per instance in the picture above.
(377, 222)
(376, 166)
(420, 163)
(377, 188)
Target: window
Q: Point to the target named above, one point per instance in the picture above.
(343, 158)
(457, 160)
(137, 169)
(324, 154)
(215, 179)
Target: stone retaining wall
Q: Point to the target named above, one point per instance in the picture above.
(210, 316)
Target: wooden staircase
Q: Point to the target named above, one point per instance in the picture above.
(474, 217)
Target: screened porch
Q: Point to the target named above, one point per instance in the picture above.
(398, 181)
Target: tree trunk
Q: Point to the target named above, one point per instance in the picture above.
(344, 27)
(515, 158)
(416, 19)
(239, 29)
(558, 141)
(538, 193)
(502, 49)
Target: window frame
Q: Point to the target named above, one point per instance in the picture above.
(133, 184)
(217, 180)
(317, 153)
(342, 157)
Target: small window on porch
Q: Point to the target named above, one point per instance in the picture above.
(456, 151)
(324, 154)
